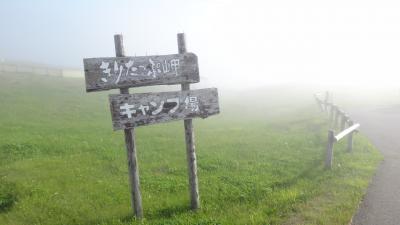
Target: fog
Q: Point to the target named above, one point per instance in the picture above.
(298, 113)
(240, 44)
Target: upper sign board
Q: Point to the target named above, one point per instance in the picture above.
(124, 72)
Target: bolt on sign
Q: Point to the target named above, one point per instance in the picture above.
(129, 111)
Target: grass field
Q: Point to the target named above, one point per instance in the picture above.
(259, 162)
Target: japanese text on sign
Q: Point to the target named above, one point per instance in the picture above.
(170, 105)
(152, 69)
(132, 110)
(124, 72)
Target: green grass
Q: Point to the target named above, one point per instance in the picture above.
(259, 162)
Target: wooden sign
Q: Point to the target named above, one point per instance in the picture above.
(132, 110)
(125, 72)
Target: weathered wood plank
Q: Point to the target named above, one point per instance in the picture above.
(124, 72)
(132, 110)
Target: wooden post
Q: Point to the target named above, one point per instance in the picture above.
(340, 119)
(190, 146)
(337, 115)
(321, 105)
(329, 149)
(136, 197)
(346, 121)
(331, 115)
(343, 122)
(318, 103)
(350, 138)
(326, 101)
(327, 108)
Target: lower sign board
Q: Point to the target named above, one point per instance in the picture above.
(132, 110)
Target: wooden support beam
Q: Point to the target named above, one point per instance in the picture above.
(136, 197)
(189, 137)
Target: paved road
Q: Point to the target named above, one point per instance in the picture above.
(381, 205)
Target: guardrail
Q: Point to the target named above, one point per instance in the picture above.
(338, 119)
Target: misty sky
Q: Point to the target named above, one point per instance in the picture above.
(248, 43)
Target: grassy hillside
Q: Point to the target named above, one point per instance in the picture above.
(260, 161)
